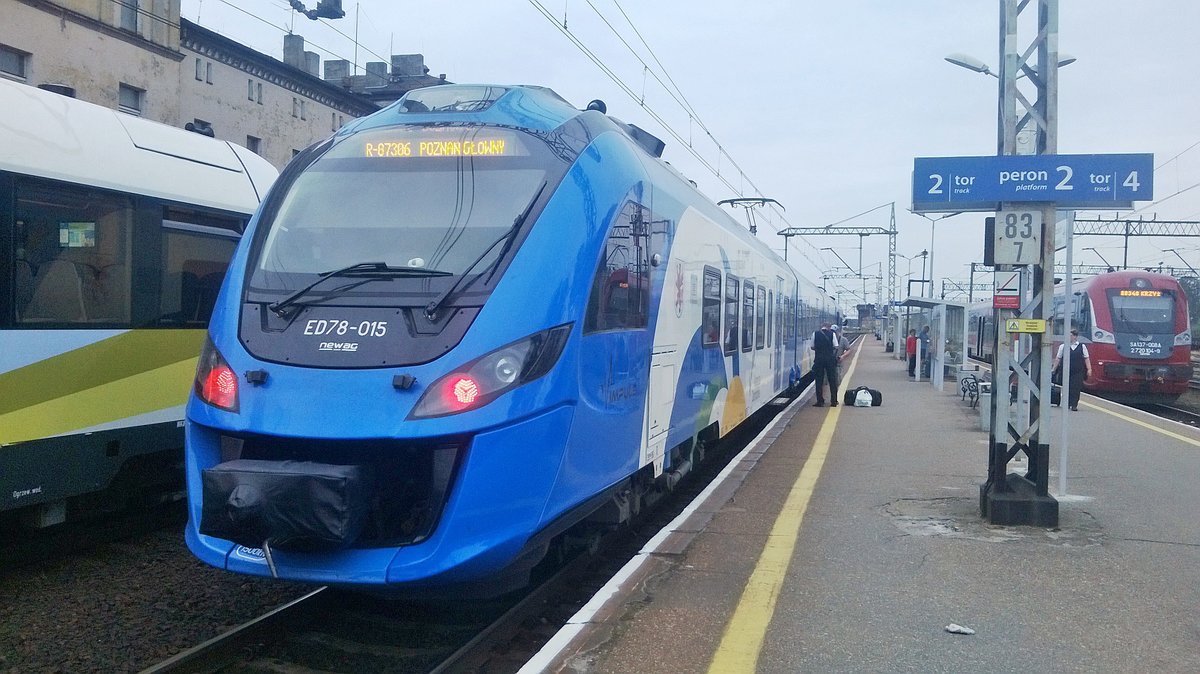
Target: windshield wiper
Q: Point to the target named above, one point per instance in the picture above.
(365, 270)
(508, 238)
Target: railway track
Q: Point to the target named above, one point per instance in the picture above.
(21, 546)
(330, 630)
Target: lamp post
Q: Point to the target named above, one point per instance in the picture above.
(910, 259)
(932, 233)
(972, 63)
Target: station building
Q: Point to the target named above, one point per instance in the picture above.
(142, 58)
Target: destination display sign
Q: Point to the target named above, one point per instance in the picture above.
(942, 184)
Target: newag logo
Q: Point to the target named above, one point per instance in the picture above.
(345, 347)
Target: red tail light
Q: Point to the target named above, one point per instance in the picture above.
(216, 383)
(464, 391)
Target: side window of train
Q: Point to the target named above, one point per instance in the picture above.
(1083, 314)
(732, 284)
(770, 316)
(620, 295)
(747, 316)
(780, 318)
(195, 251)
(760, 324)
(73, 254)
(710, 311)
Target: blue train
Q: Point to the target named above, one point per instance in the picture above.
(461, 326)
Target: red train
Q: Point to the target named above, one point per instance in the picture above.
(1136, 328)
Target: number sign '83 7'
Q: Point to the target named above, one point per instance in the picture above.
(1018, 237)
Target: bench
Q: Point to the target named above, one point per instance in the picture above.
(971, 387)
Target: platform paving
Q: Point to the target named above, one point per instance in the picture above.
(891, 549)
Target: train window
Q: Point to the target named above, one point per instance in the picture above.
(770, 316)
(458, 201)
(620, 295)
(760, 323)
(73, 256)
(747, 316)
(1142, 312)
(779, 319)
(732, 284)
(193, 263)
(710, 311)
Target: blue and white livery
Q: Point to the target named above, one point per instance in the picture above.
(462, 326)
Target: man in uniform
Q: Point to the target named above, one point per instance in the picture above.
(826, 346)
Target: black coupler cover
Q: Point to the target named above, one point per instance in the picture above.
(296, 505)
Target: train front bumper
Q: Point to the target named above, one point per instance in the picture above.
(495, 504)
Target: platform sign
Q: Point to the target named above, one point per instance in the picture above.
(1066, 180)
(1018, 237)
(1007, 291)
(1024, 325)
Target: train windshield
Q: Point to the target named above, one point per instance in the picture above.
(1142, 312)
(431, 199)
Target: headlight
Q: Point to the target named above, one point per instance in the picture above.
(1183, 339)
(1103, 337)
(484, 379)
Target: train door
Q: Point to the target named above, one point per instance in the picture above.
(616, 344)
(778, 361)
(669, 337)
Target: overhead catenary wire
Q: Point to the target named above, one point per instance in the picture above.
(670, 130)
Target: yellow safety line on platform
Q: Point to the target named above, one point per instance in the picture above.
(746, 630)
(1143, 424)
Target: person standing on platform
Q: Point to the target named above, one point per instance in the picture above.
(923, 338)
(825, 363)
(1081, 368)
(910, 350)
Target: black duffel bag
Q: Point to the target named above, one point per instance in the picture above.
(850, 396)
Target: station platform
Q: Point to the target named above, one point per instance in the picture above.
(848, 539)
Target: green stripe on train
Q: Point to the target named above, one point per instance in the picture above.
(108, 360)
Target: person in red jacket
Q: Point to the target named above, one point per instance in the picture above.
(910, 349)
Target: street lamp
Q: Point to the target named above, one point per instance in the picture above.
(932, 233)
(972, 63)
(923, 254)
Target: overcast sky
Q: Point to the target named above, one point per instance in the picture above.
(821, 105)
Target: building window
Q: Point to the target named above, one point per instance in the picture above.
(129, 99)
(128, 14)
(249, 90)
(199, 70)
(303, 114)
(254, 144)
(258, 91)
(295, 107)
(341, 121)
(208, 72)
(333, 121)
(295, 152)
(13, 62)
